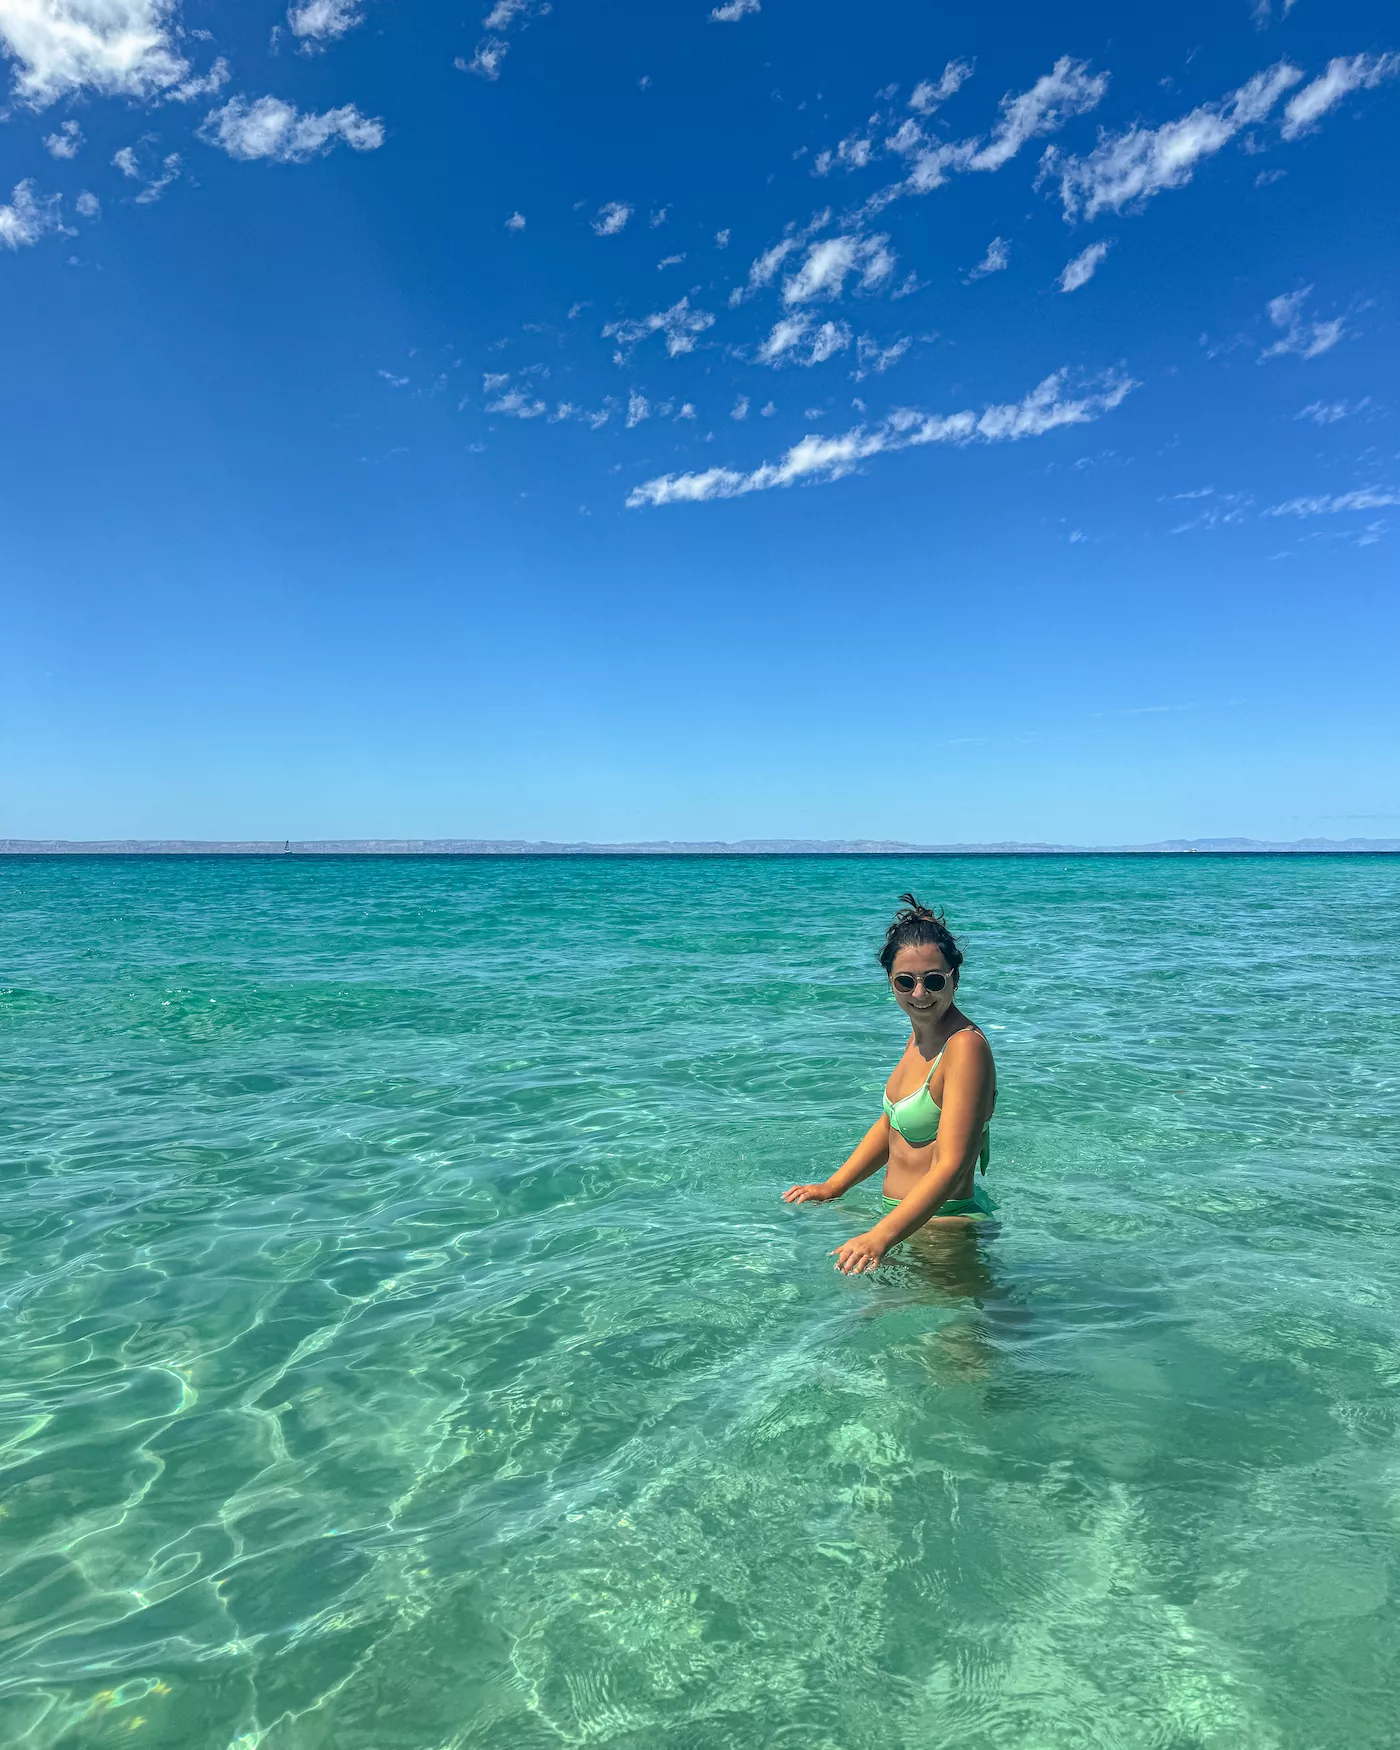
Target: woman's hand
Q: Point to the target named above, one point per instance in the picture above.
(822, 1193)
(864, 1252)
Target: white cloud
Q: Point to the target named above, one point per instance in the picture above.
(926, 96)
(487, 58)
(1344, 75)
(1329, 412)
(829, 262)
(119, 47)
(1068, 90)
(270, 128)
(88, 205)
(1083, 268)
(996, 260)
(823, 459)
(722, 238)
(517, 404)
(516, 222)
(669, 261)
(874, 357)
(1367, 498)
(505, 12)
(1301, 337)
(798, 340)
(66, 143)
(855, 152)
(931, 167)
(492, 50)
(740, 409)
(323, 20)
(127, 161)
(638, 409)
(494, 380)
(612, 218)
(765, 267)
(28, 217)
(1129, 168)
(733, 10)
(680, 325)
(763, 270)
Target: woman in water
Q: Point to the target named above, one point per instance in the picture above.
(933, 1134)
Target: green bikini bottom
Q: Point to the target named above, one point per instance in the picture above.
(981, 1206)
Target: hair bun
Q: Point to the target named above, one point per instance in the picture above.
(920, 925)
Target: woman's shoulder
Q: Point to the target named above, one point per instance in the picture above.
(969, 1045)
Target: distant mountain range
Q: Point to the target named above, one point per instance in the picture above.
(667, 848)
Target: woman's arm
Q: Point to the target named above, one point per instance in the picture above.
(966, 1086)
(868, 1156)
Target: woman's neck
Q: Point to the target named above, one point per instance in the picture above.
(935, 1034)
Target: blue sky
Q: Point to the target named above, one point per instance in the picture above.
(663, 422)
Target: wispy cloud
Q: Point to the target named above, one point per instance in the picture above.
(1083, 268)
(1328, 504)
(612, 218)
(66, 143)
(680, 325)
(855, 152)
(1217, 509)
(516, 222)
(1069, 89)
(1301, 337)
(1128, 169)
(269, 128)
(830, 263)
(871, 356)
(1345, 74)
(128, 161)
(122, 48)
(492, 50)
(799, 340)
(740, 409)
(764, 268)
(28, 216)
(733, 10)
(486, 58)
(322, 21)
(816, 459)
(928, 94)
(88, 205)
(996, 260)
(1329, 412)
(517, 404)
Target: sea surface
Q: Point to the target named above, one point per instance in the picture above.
(403, 1344)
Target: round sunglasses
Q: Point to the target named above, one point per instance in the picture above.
(906, 983)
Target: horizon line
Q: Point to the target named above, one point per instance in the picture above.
(677, 848)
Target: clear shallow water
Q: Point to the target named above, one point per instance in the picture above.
(403, 1344)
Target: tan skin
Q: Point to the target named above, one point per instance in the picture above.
(964, 1089)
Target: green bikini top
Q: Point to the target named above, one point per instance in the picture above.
(916, 1117)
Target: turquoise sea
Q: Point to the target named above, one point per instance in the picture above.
(404, 1345)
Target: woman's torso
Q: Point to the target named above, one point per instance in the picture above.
(909, 1161)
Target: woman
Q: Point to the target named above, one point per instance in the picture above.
(933, 1133)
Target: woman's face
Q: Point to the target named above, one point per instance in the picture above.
(913, 963)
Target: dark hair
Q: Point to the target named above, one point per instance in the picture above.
(916, 926)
